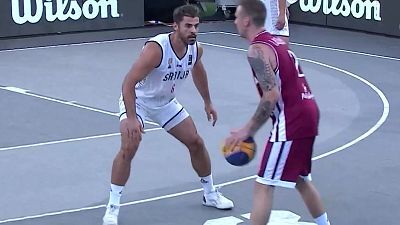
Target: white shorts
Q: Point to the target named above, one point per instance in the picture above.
(167, 116)
(272, 7)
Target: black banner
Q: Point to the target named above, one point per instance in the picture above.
(29, 17)
(297, 15)
(378, 16)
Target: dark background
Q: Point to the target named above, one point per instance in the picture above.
(130, 11)
(134, 13)
(388, 25)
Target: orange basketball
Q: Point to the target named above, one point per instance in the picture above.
(241, 154)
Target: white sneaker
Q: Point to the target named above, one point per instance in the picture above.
(111, 215)
(217, 200)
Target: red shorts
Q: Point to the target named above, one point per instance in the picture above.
(284, 162)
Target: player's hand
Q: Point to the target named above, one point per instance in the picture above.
(237, 136)
(280, 24)
(132, 129)
(211, 113)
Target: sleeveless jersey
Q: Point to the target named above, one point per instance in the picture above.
(296, 113)
(159, 86)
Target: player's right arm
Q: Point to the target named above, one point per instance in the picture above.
(263, 61)
(149, 58)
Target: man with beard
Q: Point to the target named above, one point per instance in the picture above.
(148, 92)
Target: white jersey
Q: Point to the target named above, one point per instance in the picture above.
(271, 19)
(159, 86)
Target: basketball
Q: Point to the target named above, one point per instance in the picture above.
(241, 154)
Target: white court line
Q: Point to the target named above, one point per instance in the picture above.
(385, 113)
(330, 49)
(69, 140)
(382, 119)
(70, 103)
(89, 43)
(201, 33)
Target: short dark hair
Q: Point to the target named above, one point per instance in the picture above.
(185, 10)
(256, 10)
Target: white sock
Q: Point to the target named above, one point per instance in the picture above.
(208, 184)
(322, 219)
(115, 194)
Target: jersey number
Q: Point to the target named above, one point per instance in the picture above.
(173, 88)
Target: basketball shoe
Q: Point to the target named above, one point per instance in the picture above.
(111, 215)
(217, 200)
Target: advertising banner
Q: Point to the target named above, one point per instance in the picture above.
(377, 16)
(30, 17)
(297, 14)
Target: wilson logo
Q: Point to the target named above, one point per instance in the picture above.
(62, 10)
(357, 8)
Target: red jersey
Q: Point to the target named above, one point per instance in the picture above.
(296, 113)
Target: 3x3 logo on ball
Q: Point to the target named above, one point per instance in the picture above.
(23, 10)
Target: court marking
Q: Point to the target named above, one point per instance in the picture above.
(201, 33)
(69, 103)
(87, 43)
(330, 49)
(382, 119)
(69, 140)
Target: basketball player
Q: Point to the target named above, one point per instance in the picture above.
(287, 99)
(148, 92)
(276, 23)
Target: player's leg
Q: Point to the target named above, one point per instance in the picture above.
(186, 133)
(269, 174)
(177, 122)
(262, 204)
(279, 167)
(312, 200)
(121, 168)
(306, 189)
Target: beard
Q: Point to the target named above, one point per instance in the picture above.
(189, 40)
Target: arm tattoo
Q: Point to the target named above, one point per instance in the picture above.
(262, 69)
(262, 113)
(266, 78)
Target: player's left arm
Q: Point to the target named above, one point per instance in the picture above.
(200, 80)
(262, 60)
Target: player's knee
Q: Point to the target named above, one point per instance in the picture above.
(196, 143)
(128, 150)
(300, 184)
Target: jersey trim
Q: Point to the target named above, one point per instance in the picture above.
(162, 51)
(278, 160)
(176, 55)
(278, 121)
(197, 53)
(165, 124)
(122, 114)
